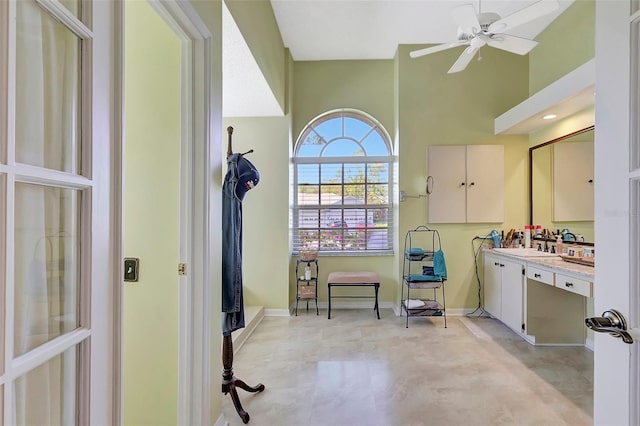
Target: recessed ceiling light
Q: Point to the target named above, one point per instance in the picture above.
(549, 117)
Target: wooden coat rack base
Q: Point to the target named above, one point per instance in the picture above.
(230, 382)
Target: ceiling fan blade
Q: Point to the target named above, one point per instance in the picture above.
(535, 11)
(512, 44)
(466, 18)
(434, 49)
(463, 60)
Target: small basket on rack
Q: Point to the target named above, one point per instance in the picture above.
(308, 255)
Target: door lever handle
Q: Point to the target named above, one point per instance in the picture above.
(611, 322)
(615, 332)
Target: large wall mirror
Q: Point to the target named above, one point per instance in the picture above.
(561, 184)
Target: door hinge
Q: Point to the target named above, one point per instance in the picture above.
(182, 269)
(523, 272)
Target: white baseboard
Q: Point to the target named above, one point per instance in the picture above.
(589, 344)
(277, 313)
(253, 315)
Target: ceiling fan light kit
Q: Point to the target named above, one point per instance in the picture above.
(478, 30)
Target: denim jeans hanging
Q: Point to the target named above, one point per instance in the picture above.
(232, 302)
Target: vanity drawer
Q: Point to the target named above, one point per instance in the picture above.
(540, 275)
(574, 285)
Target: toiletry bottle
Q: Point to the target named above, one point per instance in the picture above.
(495, 237)
(559, 244)
(527, 236)
(307, 272)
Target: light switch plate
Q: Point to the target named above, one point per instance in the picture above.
(131, 268)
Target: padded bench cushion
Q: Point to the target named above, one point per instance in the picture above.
(353, 278)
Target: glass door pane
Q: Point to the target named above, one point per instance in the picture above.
(46, 264)
(48, 100)
(47, 394)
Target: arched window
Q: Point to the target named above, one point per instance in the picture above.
(342, 185)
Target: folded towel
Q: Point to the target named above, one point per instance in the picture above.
(431, 304)
(415, 250)
(413, 303)
(419, 277)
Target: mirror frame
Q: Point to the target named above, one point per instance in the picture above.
(558, 139)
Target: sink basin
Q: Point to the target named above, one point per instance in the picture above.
(525, 252)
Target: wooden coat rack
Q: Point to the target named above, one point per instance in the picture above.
(229, 381)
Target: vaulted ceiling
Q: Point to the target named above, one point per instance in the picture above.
(349, 29)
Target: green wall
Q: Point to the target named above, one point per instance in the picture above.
(151, 217)
(565, 44)
(320, 86)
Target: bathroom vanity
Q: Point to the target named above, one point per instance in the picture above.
(538, 295)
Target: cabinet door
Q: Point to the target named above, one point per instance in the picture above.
(485, 183)
(446, 166)
(492, 286)
(573, 181)
(512, 284)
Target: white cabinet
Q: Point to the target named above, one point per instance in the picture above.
(573, 181)
(492, 286)
(466, 183)
(503, 290)
(544, 302)
(512, 300)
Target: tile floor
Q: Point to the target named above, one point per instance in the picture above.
(356, 370)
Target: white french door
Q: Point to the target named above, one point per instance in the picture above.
(56, 91)
(617, 209)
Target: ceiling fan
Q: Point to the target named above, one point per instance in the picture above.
(478, 30)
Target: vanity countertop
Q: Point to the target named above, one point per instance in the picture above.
(555, 263)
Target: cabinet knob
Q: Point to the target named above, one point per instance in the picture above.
(537, 275)
(472, 183)
(568, 284)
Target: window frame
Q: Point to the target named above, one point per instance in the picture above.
(343, 161)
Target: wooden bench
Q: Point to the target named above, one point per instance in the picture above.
(353, 279)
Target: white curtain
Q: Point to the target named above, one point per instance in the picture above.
(46, 218)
